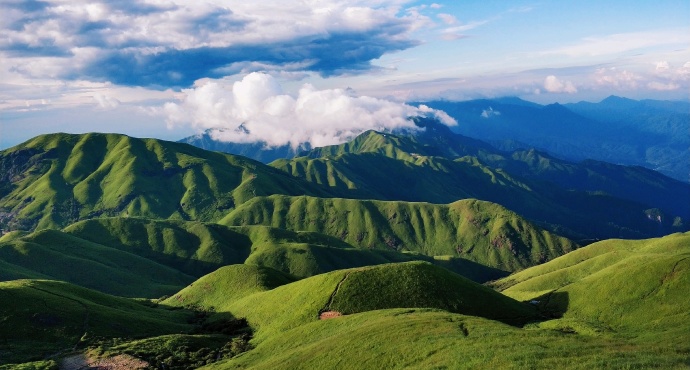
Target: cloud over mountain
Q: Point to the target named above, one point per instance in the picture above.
(256, 109)
(172, 44)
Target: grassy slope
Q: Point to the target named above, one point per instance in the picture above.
(371, 336)
(146, 258)
(478, 231)
(54, 180)
(228, 283)
(41, 317)
(428, 339)
(571, 198)
(288, 306)
(638, 286)
(51, 254)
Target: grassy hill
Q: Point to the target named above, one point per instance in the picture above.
(478, 231)
(41, 317)
(135, 257)
(51, 254)
(372, 334)
(412, 284)
(433, 339)
(637, 286)
(227, 284)
(54, 180)
(583, 201)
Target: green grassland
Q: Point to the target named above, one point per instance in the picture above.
(411, 284)
(622, 304)
(40, 318)
(433, 339)
(411, 314)
(637, 286)
(54, 180)
(135, 257)
(245, 258)
(228, 284)
(482, 232)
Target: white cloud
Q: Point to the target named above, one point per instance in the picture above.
(118, 41)
(613, 77)
(662, 66)
(660, 86)
(447, 18)
(106, 102)
(622, 42)
(554, 85)
(266, 114)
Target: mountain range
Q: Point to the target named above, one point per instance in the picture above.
(647, 133)
(422, 248)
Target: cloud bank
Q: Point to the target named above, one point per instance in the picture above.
(163, 44)
(256, 109)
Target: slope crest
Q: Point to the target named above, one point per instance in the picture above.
(403, 285)
(54, 180)
(479, 231)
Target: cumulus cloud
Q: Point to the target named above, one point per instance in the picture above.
(554, 85)
(256, 109)
(174, 43)
(620, 79)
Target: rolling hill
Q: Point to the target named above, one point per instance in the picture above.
(479, 231)
(587, 200)
(615, 285)
(54, 180)
(135, 257)
(41, 318)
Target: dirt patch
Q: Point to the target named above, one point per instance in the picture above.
(329, 315)
(119, 362)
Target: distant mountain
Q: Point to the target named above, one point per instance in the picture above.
(258, 151)
(647, 133)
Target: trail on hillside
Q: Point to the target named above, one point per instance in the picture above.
(326, 312)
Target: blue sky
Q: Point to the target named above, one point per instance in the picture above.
(169, 68)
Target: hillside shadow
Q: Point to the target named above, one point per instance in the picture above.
(552, 305)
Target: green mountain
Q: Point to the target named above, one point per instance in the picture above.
(582, 201)
(265, 267)
(615, 285)
(350, 291)
(54, 180)
(135, 257)
(479, 231)
(371, 333)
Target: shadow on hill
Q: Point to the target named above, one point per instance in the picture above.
(552, 305)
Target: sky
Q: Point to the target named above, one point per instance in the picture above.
(319, 71)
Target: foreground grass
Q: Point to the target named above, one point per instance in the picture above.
(40, 318)
(429, 339)
(633, 286)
